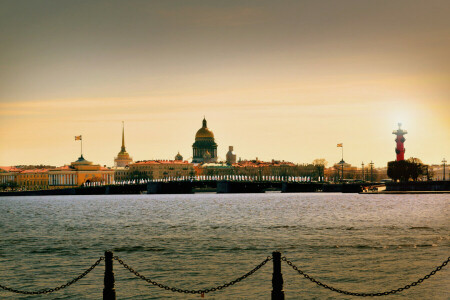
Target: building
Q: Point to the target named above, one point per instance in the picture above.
(439, 173)
(231, 157)
(78, 173)
(155, 169)
(334, 173)
(214, 169)
(123, 158)
(255, 168)
(204, 147)
(8, 177)
(34, 179)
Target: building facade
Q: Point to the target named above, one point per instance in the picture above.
(34, 179)
(155, 169)
(8, 177)
(78, 173)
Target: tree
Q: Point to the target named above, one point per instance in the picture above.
(404, 170)
(416, 168)
(320, 164)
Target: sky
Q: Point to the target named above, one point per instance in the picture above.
(283, 80)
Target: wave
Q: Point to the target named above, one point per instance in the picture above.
(50, 250)
(130, 249)
(376, 247)
(421, 228)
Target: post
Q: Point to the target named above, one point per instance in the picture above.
(362, 171)
(444, 161)
(371, 171)
(277, 277)
(109, 293)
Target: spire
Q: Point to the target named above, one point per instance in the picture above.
(204, 122)
(123, 138)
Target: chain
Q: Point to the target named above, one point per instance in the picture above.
(204, 291)
(48, 291)
(366, 294)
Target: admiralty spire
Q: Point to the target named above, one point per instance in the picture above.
(123, 158)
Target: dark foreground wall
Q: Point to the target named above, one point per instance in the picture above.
(95, 190)
(418, 186)
(171, 187)
(300, 187)
(240, 187)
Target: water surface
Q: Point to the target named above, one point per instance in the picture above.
(364, 243)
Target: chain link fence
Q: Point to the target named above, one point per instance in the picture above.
(277, 281)
(312, 279)
(48, 291)
(202, 291)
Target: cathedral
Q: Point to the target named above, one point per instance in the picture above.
(204, 148)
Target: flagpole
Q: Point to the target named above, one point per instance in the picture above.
(81, 146)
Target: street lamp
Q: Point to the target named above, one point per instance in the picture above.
(341, 145)
(444, 161)
(362, 171)
(371, 171)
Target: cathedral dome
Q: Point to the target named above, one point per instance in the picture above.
(204, 133)
(204, 145)
(178, 156)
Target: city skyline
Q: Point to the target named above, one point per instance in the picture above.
(286, 81)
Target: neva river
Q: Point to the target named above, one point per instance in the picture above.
(364, 243)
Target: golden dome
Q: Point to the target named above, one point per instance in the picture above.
(204, 132)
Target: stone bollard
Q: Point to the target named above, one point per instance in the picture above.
(277, 277)
(109, 293)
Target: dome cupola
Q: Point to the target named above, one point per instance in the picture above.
(204, 133)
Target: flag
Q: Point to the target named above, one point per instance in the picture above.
(78, 138)
(339, 145)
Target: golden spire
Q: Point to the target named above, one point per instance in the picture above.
(123, 138)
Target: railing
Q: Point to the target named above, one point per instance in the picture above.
(239, 178)
(109, 292)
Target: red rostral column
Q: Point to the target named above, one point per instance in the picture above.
(400, 149)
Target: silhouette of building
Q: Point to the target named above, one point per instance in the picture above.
(231, 157)
(178, 156)
(204, 147)
(123, 158)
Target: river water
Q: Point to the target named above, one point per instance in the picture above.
(363, 243)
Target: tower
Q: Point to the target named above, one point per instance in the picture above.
(231, 157)
(123, 158)
(400, 140)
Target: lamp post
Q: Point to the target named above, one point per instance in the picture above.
(371, 171)
(444, 161)
(341, 145)
(362, 171)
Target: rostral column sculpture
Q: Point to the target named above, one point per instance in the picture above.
(400, 149)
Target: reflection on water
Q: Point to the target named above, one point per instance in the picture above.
(364, 243)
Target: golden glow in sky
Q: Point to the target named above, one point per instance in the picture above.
(286, 80)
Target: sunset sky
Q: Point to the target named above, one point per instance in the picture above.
(276, 79)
